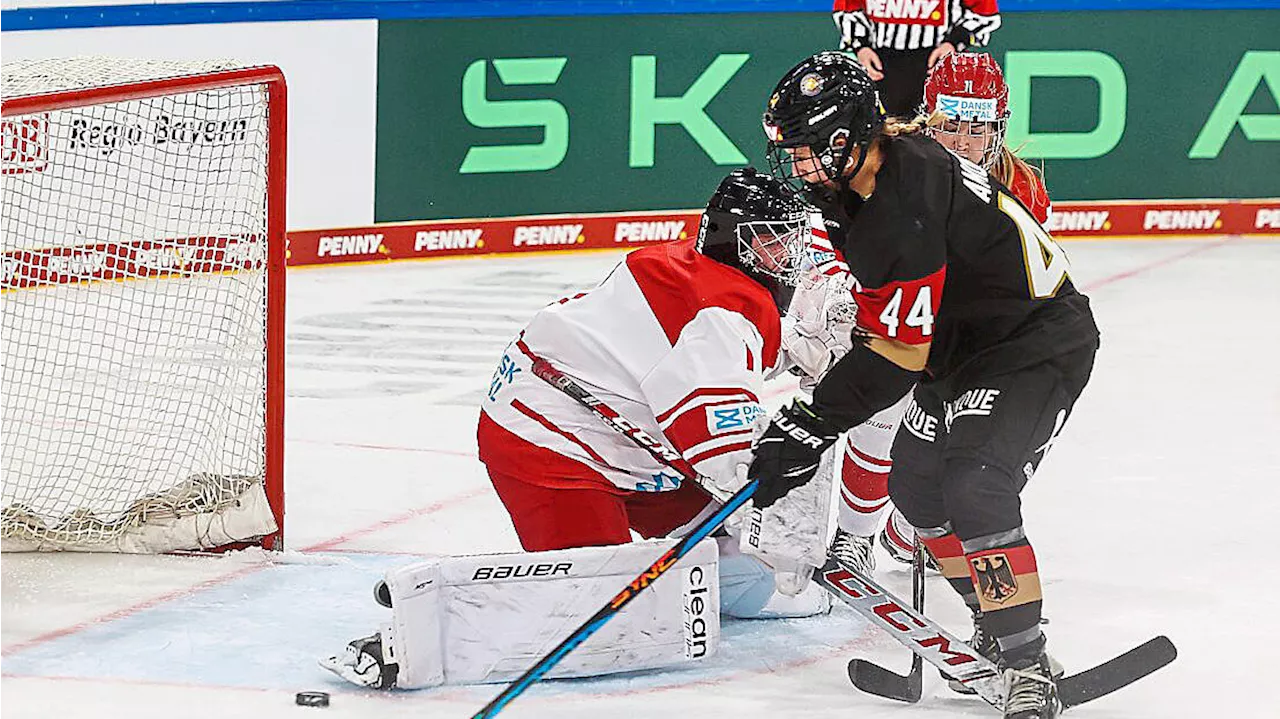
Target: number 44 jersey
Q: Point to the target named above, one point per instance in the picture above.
(944, 253)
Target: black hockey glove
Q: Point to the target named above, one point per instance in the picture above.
(788, 452)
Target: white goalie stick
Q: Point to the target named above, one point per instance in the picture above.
(958, 660)
(927, 641)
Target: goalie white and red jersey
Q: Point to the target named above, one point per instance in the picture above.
(674, 341)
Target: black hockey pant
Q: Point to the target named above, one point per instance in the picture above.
(963, 453)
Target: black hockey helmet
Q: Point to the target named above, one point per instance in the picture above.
(829, 105)
(758, 224)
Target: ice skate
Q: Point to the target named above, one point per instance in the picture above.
(1031, 690)
(988, 647)
(854, 551)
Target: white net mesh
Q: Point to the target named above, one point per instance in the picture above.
(134, 304)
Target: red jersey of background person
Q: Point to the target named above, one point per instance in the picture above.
(1030, 190)
(889, 23)
(917, 12)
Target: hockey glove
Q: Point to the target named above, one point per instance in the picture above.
(787, 453)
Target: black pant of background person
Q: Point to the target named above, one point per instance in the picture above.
(902, 89)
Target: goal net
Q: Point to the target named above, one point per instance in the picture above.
(141, 305)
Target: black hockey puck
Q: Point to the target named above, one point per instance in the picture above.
(312, 699)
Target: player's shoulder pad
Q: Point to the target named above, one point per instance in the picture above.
(679, 282)
(918, 172)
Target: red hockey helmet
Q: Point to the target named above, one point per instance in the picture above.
(969, 89)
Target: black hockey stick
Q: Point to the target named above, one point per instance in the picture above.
(875, 679)
(545, 371)
(960, 661)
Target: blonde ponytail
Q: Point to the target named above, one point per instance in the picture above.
(1009, 166)
(898, 126)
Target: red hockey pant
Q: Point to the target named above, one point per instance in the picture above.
(559, 518)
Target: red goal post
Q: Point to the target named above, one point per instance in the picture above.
(142, 292)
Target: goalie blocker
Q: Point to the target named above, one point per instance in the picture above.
(487, 618)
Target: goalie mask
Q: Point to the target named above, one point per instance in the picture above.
(969, 92)
(820, 111)
(758, 225)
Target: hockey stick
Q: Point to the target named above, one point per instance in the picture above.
(615, 605)
(926, 640)
(545, 371)
(656, 449)
(875, 679)
(916, 632)
(963, 663)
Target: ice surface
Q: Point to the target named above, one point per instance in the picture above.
(1152, 516)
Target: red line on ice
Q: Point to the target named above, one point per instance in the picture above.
(236, 574)
(398, 519)
(1112, 279)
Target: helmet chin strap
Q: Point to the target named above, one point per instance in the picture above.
(844, 181)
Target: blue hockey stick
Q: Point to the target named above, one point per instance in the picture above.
(704, 528)
(608, 611)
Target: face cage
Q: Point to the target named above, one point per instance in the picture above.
(970, 130)
(818, 168)
(775, 248)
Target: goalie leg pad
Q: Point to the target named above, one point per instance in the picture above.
(745, 582)
(488, 618)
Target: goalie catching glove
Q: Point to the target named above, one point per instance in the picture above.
(788, 452)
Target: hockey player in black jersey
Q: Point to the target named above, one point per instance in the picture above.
(962, 293)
